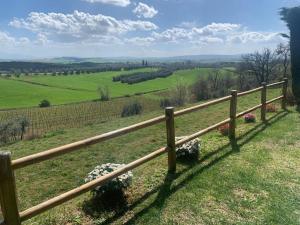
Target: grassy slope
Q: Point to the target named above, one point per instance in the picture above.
(24, 94)
(254, 181)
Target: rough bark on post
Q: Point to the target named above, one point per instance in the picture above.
(263, 101)
(169, 112)
(233, 105)
(8, 197)
(284, 93)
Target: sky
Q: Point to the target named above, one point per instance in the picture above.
(146, 28)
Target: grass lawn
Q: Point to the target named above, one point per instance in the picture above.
(76, 88)
(255, 180)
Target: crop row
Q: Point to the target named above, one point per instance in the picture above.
(43, 120)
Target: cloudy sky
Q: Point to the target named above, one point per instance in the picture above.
(97, 28)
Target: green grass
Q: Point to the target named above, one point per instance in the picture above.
(252, 181)
(76, 88)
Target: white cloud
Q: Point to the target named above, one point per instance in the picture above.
(140, 41)
(7, 40)
(122, 3)
(78, 26)
(144, 10)
(246, 37)
(173, 35)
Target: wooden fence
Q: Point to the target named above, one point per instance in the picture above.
(8, 197)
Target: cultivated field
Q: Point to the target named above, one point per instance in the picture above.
(28, 91)
(43, 120)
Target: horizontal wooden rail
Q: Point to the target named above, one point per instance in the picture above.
(201, 106)
(45, 155)
(42, 207)
(249, 92)
(201, 132)
(248, 111)
(274, 99)
(275, 84)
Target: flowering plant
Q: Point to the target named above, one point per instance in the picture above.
(249, 118)
(189, 150)
(117, 184)
(271, 108)
(224, 129)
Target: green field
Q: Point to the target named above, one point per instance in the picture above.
(254, 181)
(16, 93)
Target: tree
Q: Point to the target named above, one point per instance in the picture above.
(292, 17)
(261, 64)
(283, 51)
(104, 93)
(44, 103)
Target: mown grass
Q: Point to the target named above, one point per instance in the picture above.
(76, 88)
(254, 180)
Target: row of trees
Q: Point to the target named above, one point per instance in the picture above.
(27, 68)
(142, 76)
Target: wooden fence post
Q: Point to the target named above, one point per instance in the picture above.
(263, 101)
(8, 197)
(233, 106)
(169, 112)
(284, 93)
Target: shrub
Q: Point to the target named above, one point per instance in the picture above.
(179, 94)
(117, 184)
(132, 109)
(249, 118)
(44, 103)
(224, 129)
(271, 108)
(104, 93)
(166, 102)
(13, 130)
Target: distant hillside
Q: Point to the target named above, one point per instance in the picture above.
(197, 58)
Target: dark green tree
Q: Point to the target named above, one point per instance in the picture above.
(292, 18)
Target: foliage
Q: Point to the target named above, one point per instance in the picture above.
(224, 129)
(262, 65)
(214, 85)
(104, 93)
(132, 109)
(189, 150)
(249, 118)
(142, 76)
(292, 17)
(117, 184)
(13, 130)
(44, 103)
(165, 102)
(271, 108)
(179, 94)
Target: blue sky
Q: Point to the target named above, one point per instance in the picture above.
(99, 28)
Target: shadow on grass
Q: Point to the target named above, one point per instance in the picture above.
(114, 201)
(165, 190)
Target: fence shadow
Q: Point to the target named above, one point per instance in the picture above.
(165, 190)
